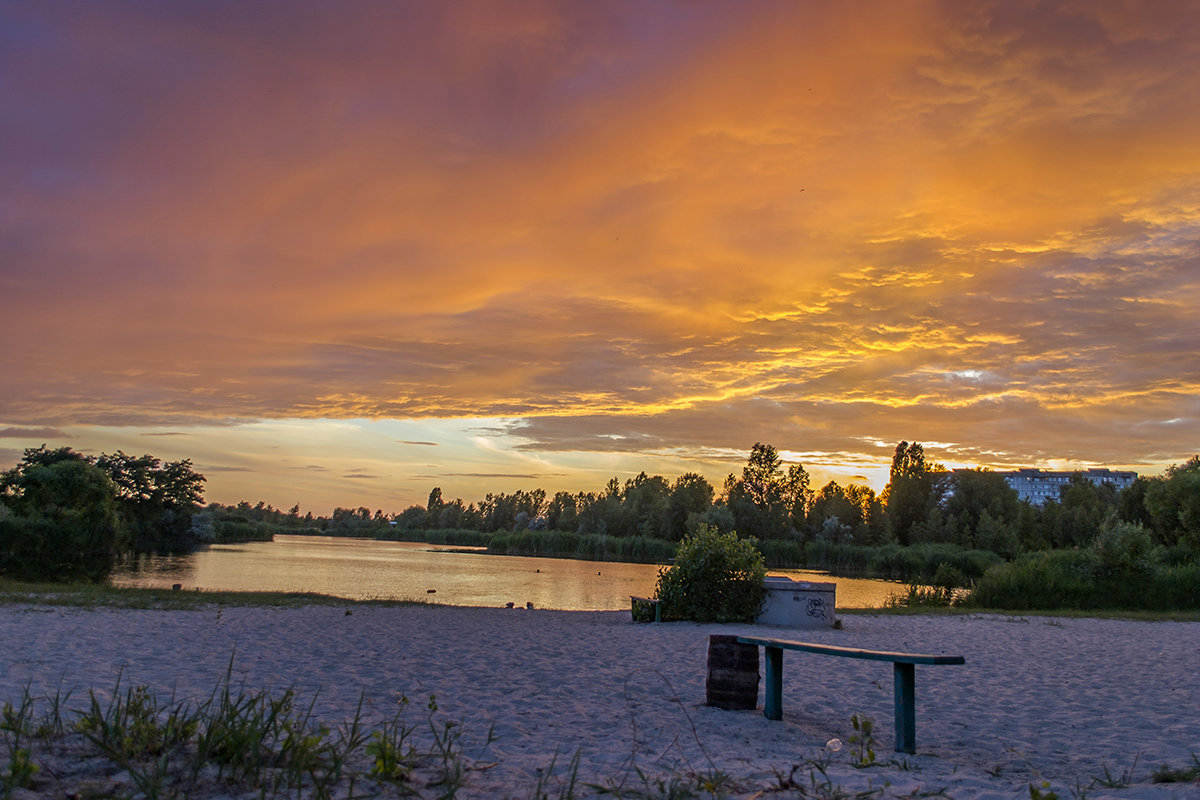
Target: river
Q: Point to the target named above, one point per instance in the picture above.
(367, 569)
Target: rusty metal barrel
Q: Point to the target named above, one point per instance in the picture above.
(732, 673)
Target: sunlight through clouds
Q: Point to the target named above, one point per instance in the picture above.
(562, 241)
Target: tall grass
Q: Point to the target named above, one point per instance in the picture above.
(237, 741)
(918, 563)
(1080, 580)
(458, 537)
(589, 547)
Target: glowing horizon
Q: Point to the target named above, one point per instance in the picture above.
(351, 254)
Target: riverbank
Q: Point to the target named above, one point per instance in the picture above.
(1067, 701)
(918, 563)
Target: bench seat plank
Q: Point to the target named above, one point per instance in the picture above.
(852, 652)
(902, 666)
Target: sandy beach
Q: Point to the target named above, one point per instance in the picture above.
(1039, 699)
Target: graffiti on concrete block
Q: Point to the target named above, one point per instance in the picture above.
(817, 607)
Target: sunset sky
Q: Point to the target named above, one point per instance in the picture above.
(339, 254)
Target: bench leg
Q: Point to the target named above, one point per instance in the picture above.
(773, 690)
(906, 707)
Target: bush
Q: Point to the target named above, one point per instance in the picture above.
(918, 563)
(1121, 570)
(716, 577)
(63, 525)
(1049, 579)
(235, 531)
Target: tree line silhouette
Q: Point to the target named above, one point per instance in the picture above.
(65, 515)
(923, 503)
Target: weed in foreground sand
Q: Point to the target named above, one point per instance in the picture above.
(237, 739)
(1165, 774)
(1110, 781)
(16, 725)
(862, 741)
(819, 785)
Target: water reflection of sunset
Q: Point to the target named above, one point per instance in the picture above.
(343, 255)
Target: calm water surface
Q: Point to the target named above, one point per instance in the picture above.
(364, 569)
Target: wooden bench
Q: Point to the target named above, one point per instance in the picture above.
(904, 677)
(636, 601)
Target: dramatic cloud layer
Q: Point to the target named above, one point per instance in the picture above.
(616, 235)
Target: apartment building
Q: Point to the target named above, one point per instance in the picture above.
(1038, 485)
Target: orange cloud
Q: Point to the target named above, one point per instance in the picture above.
(964, 222)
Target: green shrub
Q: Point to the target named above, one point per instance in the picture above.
(1120, 570)
(62, 523)
(918, 563)
(1048, 579)
(716, 577)
(233, 531)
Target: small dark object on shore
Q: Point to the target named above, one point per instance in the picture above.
(529, 605)
(431, 591)
(175, 587)
(509, 604)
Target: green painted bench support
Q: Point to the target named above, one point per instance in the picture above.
(904, 679)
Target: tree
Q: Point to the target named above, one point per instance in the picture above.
(433, 507)
(157, 499)
(146, 480)
(1173, 503)
(913, 490)
(1083, 507)
(766, 502)
(855, 508)
(762, 474)
(644, 506)
(411, 518)
(1131, 503)
(831, 502)
(974, 493)
(562, 512)
(691, 497)
(874, 518)
(454, 515)
(63, 523)
(795, 495)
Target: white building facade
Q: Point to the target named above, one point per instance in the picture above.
(1037, 486)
